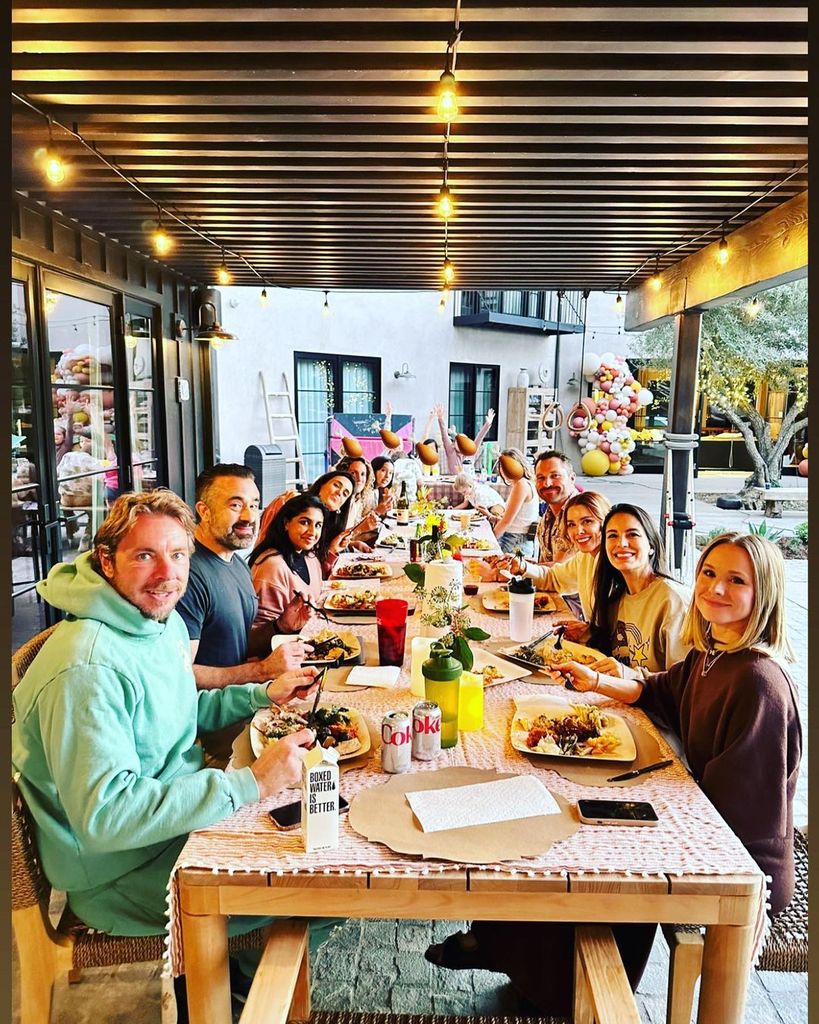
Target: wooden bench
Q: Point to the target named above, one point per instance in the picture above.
(602, 994)
(771, 497)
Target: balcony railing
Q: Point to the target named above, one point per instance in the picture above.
(521, 310)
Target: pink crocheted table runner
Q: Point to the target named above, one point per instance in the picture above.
(690, 838)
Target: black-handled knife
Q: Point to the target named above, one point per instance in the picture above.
(640, 771)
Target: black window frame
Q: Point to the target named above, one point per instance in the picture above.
(334, 360)
(471, 426)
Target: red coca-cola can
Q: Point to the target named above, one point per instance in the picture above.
(426, 731)
(396, 742)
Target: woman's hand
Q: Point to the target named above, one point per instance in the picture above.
(340, 542)
(490, 415)
(582, 678)
(577, 630)
(611, 667)
(384, 506)
(295, 615)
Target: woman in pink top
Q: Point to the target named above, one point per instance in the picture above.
(285, 565)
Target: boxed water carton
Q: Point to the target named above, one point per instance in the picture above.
(319, 799)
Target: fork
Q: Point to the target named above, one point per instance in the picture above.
(530, 647)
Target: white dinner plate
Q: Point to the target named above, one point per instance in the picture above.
(626, 749)
(509, 671)
(257, 740)
(578, 652)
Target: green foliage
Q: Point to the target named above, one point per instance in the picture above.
(764, 530)
(416, 574)
(800, 531)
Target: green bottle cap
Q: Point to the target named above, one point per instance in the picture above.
(440, 666)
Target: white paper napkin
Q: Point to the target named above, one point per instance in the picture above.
(382, 676)
(278, 639)
(523, 796)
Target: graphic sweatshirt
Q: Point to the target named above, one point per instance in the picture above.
(106, 719)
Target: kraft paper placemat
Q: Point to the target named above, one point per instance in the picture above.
(383, 815)
(597, 773)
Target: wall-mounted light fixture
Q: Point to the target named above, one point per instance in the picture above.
(209, 327)
(404, 372)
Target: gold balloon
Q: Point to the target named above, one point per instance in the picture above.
(390, 439)
(465, 445)
(427, 454)
(351, 447)
(511, 468)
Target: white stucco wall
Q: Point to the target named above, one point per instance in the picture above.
(398, 327)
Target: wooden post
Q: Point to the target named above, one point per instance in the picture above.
(207, 978)
(726, 965)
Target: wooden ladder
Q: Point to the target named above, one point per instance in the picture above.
(291, 435)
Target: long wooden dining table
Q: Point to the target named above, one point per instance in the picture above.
(689, 868)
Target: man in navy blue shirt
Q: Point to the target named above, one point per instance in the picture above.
(219, 604)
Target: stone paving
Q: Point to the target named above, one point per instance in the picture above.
(379, 965)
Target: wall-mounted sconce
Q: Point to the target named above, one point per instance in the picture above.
(403, 372)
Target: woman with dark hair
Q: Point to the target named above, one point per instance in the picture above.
(285, 565)
(380, 496)
(637, 608)
(333, 489)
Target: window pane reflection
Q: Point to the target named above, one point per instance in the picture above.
(85, 429)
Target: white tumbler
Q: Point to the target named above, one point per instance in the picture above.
(521, 608)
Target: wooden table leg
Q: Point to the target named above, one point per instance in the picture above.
(205, 941)
(726, 967)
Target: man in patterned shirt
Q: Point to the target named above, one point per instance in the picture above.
(555, 483)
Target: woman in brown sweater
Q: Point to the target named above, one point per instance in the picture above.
(735, 708)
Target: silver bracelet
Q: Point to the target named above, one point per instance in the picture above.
(596, 681)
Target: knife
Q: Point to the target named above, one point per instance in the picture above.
(640, 771)
(533, 643)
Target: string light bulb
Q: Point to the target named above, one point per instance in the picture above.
(223, 275)
(722, 248)
(655, 280)
(448, 271)
(263, 299)
(444, 205)
(754, 308)
(447, 97)
(163, 243)
(325, 309)
(618, 302)
(53, 165)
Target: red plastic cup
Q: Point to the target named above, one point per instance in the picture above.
(391, 622)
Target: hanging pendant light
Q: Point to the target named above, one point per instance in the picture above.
(447, 97)
(722, 249)
(223, 275)
(163, 243)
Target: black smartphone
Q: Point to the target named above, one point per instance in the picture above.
(289, 816)
(616, 812)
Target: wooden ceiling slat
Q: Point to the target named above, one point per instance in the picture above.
(303, 137)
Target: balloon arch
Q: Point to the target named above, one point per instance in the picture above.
(599, 423)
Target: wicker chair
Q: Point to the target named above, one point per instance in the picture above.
(785, 950)
(46, 952)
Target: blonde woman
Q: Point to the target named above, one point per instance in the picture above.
(522, 508)
(584, 514)
(734, 706)
(731, 700)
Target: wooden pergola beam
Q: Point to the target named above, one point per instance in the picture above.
(769, 251)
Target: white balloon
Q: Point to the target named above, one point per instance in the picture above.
(627, 392)
(644, 397)
(611, 415)
(591, 364)
(627, 469)
(590, 446)
(584, 433)
(616, 447)
(607, 359)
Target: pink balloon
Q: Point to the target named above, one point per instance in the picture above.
(578, 422)
(802, 468)
(605, 385)
(605, 446)
(613, 457)
(614, 403)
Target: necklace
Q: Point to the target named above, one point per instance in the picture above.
(711, 658)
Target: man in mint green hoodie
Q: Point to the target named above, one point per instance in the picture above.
(106, 719)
